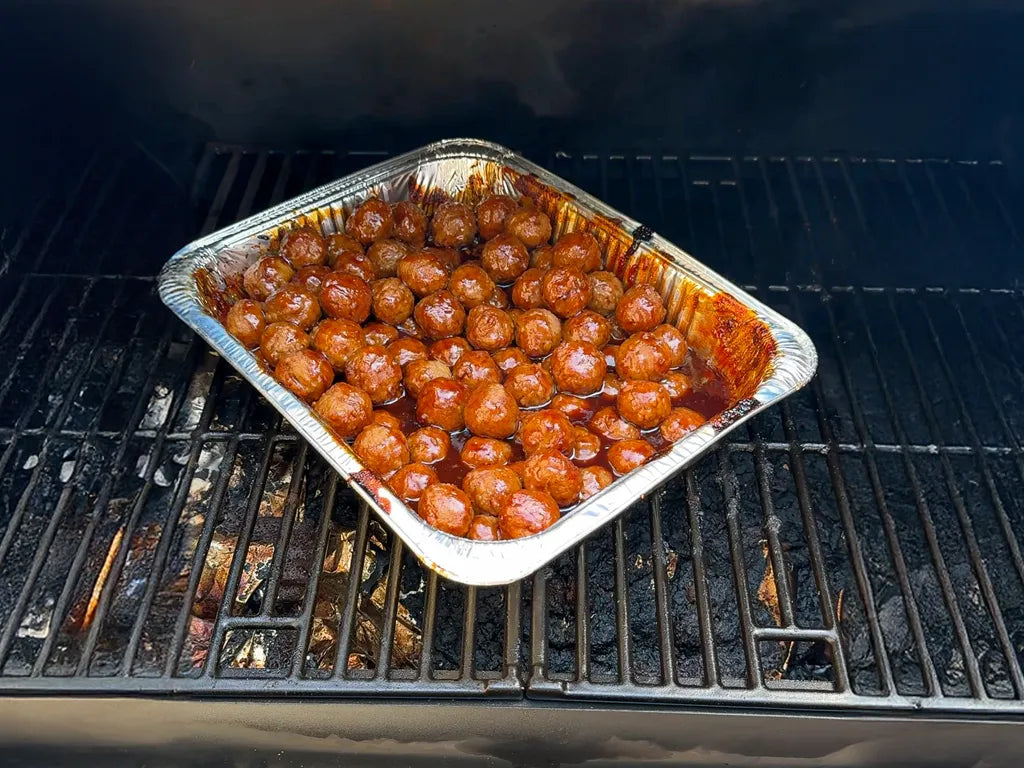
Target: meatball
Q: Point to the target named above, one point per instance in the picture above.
(484, 528)
(505, 258)
(538, 332)
(382, 449)
(379, 334)
(640, 309)
(370, 222)
(575, 409)
(542, 257)
(311, 277)
(409, 328)
(485, 452)
(303, 247)
(405, 350)
(491, 214)
(409, 223)
(423, 272)
(346, 408)
(385, 418)
(531, 226)
(509, 358)
(385, 256)
(594, 479)
(440, 315)
(527, 513)
(642, 356)
(393, 302)
(448, 351)
(644, 403)
(442, 403)
(346, 296)
(266, 276)
(586, 446)
(419, 372)
(587, 326)
(446, 508)
(605, 292)
(279, 339)
(339, 243)
(429, 445)
(530, 385)
(471, 285)
(627, 455)
(449, 257)
(677, 384)
(375, 372)
(674, 342)
(566, 291)
(526, 293)
(453, 225)
(491, 412)
(475, 368)
(489, 328)
(552, 472)
(498, 299)
(578, 368)
(679, 423)
(246, 321)
(293, 304)
(490, 488)
(355, 263)
(305, 373)
(547, 429)
(609, 425)
(578, 250)
(410, 481)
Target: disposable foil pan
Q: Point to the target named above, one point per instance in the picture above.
(762, 356)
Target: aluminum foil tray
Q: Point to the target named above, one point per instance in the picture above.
(762, 356)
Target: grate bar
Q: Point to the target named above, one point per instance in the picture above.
(665, 644)
(700, 581)
(347, 624)
(305, 618)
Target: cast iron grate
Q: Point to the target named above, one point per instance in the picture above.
(858, 546)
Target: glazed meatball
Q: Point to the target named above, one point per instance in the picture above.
(475, 368)
(293, 304)
(484, 528)
(594, 479)
(453, 225)
(311, 277)
(547, 429)
(449, 257)
(305, 373)
(385, 418)
(405, 350)
(339, 243)
(382, 449)
(346, 296)
(586, 447)
(566, 290)
(355, 263)
(640, 309)
(677, 384)
(448, 351)
(578, 250)
(266, 276)
(346, 408)
(575, 409)
(246, 321)
(410, 481)
(409, 223)
(379, 334)
(303, 247)
(492, 213)
(587, 326)
(578, 368)
(627, 455)
(527, 513)
(530, 385)
(370, 222)
(490, 488)
(538, 332)
(393, 302)
(552, 472)
(485, 452)
(509, 358)
(679, 423)
(674, 342)
(609, 425)
(504, 258)
(605, 292)
(442, 403)
(375, 372)
(423, 272)
(446, 508)
(531, 226)
(471, 285)
(279, 339)
(419, 372)
(409, 328)
(644, 403)
(526, 293)
(498, 299)
(440, 315)
(542, 257)
(385, 255)
(642, 356)
(429, 445)
(491, 412)
(489, 328)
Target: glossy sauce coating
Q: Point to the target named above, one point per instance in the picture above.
(370, 222)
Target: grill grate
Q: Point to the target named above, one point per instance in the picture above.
(858, 546)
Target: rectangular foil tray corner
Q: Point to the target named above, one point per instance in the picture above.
(763, 355)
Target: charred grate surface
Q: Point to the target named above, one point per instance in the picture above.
(859, 546)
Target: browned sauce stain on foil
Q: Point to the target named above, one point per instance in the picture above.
(375, 486)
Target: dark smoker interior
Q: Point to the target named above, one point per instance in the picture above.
(183, 581)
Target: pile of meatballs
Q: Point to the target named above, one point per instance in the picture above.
(530, 377)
